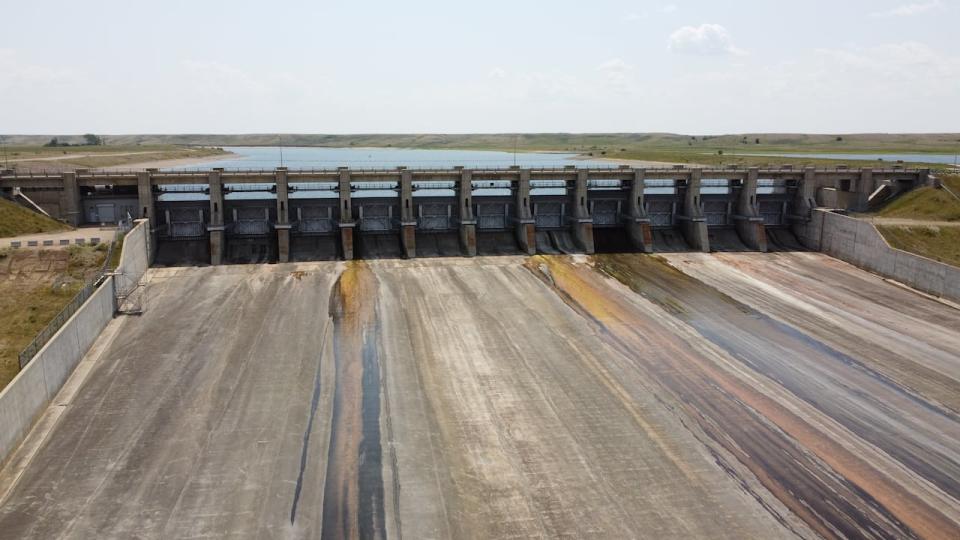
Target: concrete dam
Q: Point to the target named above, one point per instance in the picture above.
(299, 215)
(489, 354)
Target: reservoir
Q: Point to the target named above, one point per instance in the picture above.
(269, 157)
(300, 157)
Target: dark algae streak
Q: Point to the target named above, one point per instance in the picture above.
(353, 493)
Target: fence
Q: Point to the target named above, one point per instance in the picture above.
(86, 292)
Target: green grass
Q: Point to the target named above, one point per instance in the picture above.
(926, 203)
(16, 220)
(937, 243)
(35, 285)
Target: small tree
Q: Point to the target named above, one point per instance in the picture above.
(92, 140)
(53, 142)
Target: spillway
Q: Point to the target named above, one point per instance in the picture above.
(682, 395)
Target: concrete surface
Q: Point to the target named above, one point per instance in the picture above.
(25, 398)
(748, 396)
(134, 259)
(858, 242)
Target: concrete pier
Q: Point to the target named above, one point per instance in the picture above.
(408, 222)
(468, 222)
(748, 221)
(282, 225)
(347, 223)
(526, 228)
(70, 199)
(865, 186)
(636, 220)
(215, 226)
(582, 222)
(693, 224)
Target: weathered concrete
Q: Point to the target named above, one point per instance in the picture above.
(693, 224)
(747, 219)
(216, 226)
(24, 399)
(70, 199)
(135, 258)
(507, 396)
(638, 225)
(858, 242)
(582, 222)
(282, 224)
(347, 223)
(468, 222)
(526, 229)
(408, 221)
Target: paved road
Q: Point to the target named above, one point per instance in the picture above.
(749, 396)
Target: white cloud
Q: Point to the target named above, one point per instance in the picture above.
(669, 8)
(16, 72)
(497, 73)
(908, 10)
(632, 17)
(615, 70)
(706, 39)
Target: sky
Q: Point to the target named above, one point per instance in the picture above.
(425, 66)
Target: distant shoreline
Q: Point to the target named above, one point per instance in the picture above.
(167, 163)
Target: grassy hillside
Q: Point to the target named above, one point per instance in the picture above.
(16, 220)
(926, 203)
(937, 243)
(35, 285)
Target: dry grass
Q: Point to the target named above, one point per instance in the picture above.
(926, 203)
(937, 243)
(66, 158)
(34, 286)
(16, 220)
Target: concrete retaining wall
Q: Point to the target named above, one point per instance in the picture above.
(134, 258)
(29, 393)
(858, 242)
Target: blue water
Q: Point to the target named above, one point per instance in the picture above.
(268, 157)
(945, 159)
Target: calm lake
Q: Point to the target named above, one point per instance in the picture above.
(268, 157)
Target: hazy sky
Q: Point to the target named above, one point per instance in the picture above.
(343, 66)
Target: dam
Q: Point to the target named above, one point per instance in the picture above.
(286, 215)
(510, 353)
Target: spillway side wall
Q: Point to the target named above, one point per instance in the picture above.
(134, 258)
(28, 394)
(861, 244)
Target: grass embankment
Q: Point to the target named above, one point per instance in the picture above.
(72, 157)
(926, 203)
(937, 243)
(929, 231)
(35, 285)
(16, 220)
